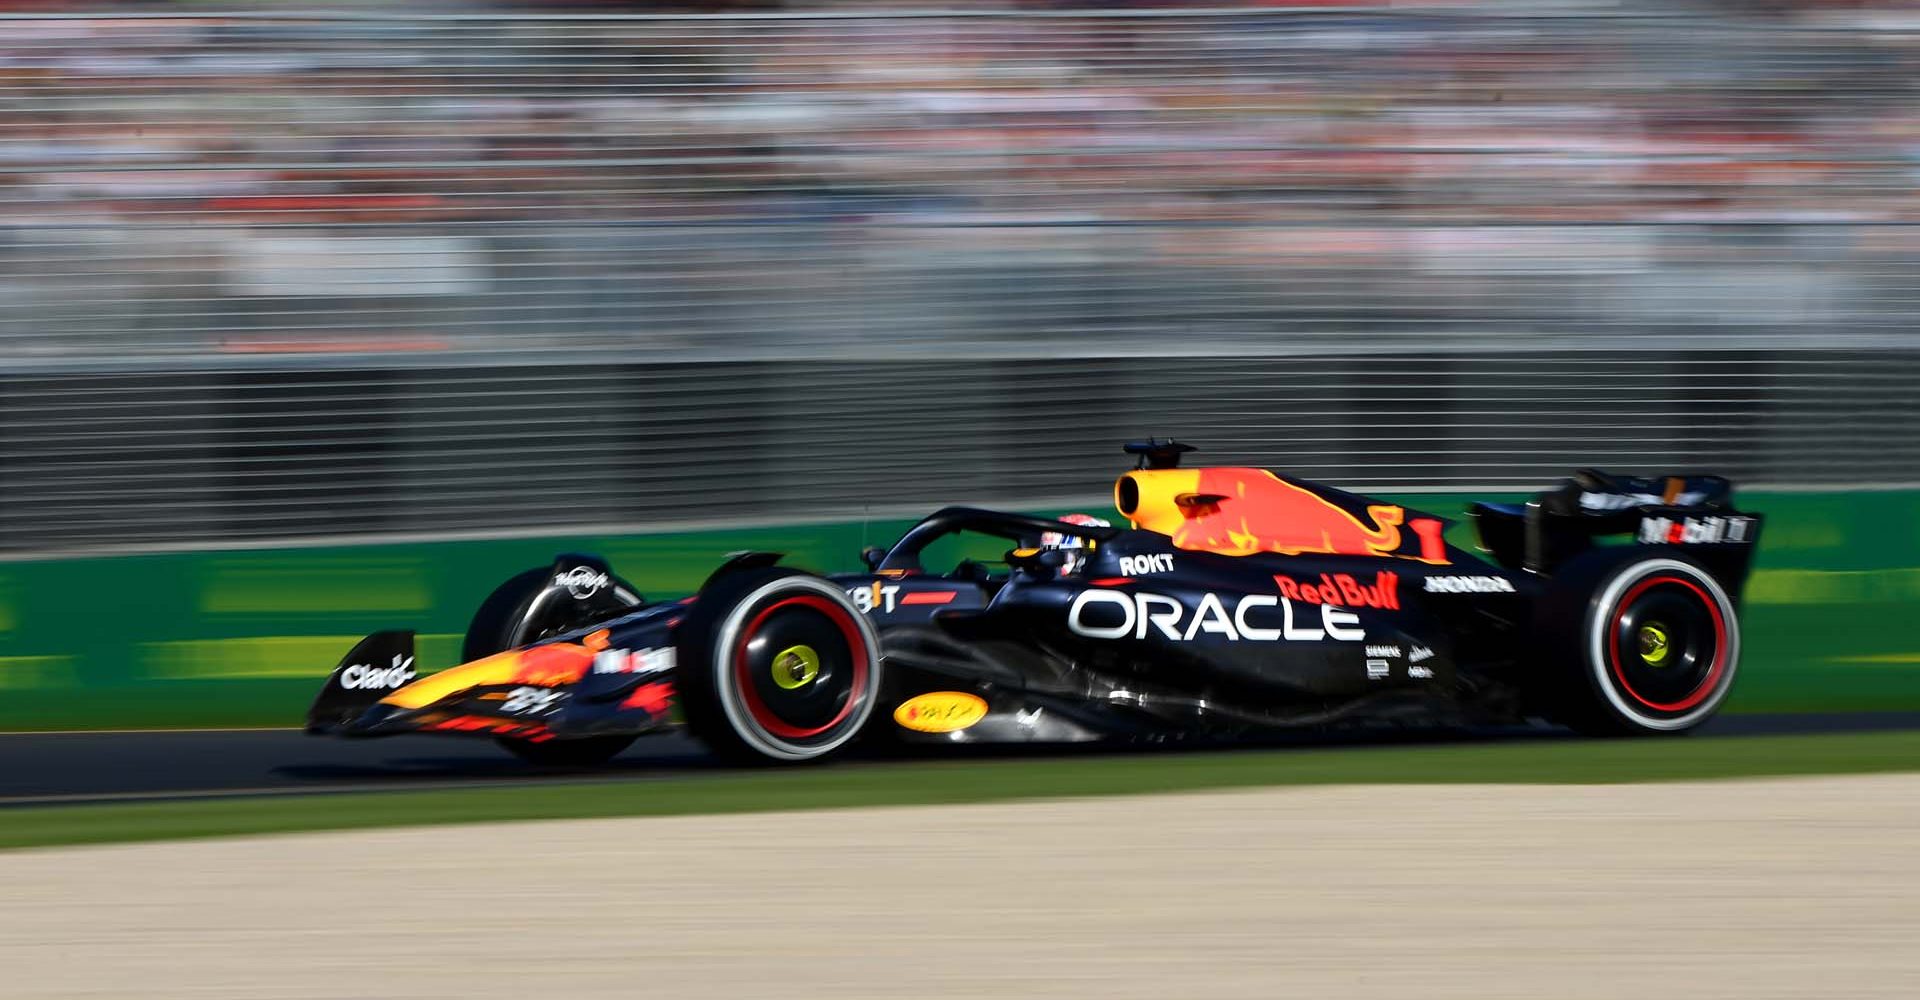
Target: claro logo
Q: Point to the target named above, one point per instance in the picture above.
(361, 676)
(1107, 614)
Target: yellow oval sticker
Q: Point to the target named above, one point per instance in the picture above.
(940, 712)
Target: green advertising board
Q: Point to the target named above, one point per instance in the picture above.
(242, 638)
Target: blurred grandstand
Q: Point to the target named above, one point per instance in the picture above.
(268, 275)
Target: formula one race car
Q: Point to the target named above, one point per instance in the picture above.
(1238, 602)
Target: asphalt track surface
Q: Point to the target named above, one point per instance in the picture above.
(66, 768)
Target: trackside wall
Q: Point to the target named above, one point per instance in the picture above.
(241, 638)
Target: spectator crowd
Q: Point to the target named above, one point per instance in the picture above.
(786, 145)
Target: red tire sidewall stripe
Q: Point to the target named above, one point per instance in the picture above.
(1720, 650)
(856, 645)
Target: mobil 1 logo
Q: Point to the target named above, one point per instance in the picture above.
(1696, 530)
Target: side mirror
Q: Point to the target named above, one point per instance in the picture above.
(872, 555)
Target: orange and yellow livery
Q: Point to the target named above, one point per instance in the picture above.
(551, 665)
(1238, 511)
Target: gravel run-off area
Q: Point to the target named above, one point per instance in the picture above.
(1749, 889)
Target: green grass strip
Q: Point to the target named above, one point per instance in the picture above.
(927, 783)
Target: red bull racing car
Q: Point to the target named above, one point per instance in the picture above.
(1233, 602)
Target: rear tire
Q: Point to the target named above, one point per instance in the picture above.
(1654, 642)
(777, 666)
(508, 619)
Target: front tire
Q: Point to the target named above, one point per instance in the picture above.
(777, 667)
(527, 608)
(1656, 648)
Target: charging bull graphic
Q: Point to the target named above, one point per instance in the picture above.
(1234, 511)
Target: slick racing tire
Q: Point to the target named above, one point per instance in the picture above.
(777, 666)
(526, 609)
(1654, 640)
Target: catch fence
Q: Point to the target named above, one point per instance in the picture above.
(269, 276)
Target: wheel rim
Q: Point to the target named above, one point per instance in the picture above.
(1668, 646)
(1656, 650)
(796, 667)
(800, 667)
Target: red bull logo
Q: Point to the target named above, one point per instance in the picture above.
(1234, 511)
(1343, 590)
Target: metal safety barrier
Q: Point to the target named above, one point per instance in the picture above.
(268, 276)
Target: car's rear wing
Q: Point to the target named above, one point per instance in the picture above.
(1694, 512)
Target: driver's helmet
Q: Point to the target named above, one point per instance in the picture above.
(1075, 545)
